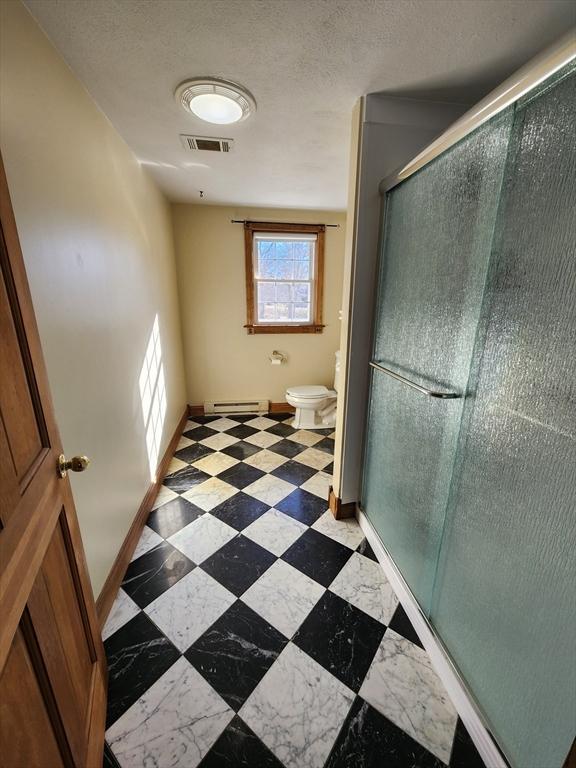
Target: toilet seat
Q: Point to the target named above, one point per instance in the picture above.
(312, 391)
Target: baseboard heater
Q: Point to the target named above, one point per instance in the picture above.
(236, 406)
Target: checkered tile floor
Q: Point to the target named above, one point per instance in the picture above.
(252, 629)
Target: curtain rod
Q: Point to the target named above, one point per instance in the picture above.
(305, 223)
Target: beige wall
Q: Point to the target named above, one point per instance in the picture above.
(222, 361)
(97, 242)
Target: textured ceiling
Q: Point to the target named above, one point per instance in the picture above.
(305, 61)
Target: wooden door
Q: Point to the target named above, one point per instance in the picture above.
(52, 666)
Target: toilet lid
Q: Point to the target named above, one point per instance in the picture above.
(309, 390)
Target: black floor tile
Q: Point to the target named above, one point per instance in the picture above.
(365, 549)
(184, 479)
(206, 418)
(240, 510)
(108, 759)
(369, 740)
(280, 416)
(287, 448)
(193, 452)
(241, 450)
(326, 445)
(281, 429)
(401, 623)
(154, 572)
(236, 652)
(324, 432)
(294, 472)
(464, 753)
(329, 469)
(239, 747)
(341, 638)
(138, 654)
(242, 431)
(172, 516)
(242, 417)
(200, 433)
(317, 556)
(303, 506)
(238, 564)
(241, 475)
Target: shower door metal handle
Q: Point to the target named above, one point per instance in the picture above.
(423, 390)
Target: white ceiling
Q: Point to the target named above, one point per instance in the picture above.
(305, 61)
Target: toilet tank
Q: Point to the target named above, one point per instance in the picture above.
(337, 370)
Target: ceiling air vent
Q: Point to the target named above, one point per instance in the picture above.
(206, 143)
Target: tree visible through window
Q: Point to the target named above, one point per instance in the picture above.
(284, 271)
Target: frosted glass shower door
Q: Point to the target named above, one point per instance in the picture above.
(436, 245)
(504, 602)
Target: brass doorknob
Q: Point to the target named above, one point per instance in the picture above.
(75, 464)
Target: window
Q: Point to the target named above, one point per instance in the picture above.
(284, 274)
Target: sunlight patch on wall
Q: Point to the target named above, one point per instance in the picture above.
(153, 397)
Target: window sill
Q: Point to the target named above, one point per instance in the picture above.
(253, 329)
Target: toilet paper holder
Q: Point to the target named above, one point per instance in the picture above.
(277, 358)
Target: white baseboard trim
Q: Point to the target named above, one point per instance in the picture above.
(445, 669)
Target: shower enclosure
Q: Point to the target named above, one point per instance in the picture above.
(470, 457)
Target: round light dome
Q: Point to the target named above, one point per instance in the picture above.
(215, 101)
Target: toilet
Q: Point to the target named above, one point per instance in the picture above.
(315, 404)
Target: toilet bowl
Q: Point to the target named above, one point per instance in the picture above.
(315, 404)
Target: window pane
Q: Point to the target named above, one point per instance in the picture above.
(266, 312)
(301, 292)
(283, 311)
(283, 291)
(302, 312)
(266, 292)
(302, 270)
(269, 269)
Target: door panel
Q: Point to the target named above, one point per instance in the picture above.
(51, 655)
(438, 233)
(22, 701)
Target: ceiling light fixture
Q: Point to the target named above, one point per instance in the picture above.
(215, 101)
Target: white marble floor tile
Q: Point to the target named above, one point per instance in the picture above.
(346, 531)
(123, 610)
(215, 463)
(175, 465)
(332, 435)
(275, 531)
(165, 495)
(319, 484)
(269, 489)
(173, 725)
(297, 709)
(186, 610)
(263, 439)
(283, 596)
(148, 539)
(210, 493)
(202, 537)
(402, 685)
(261, 422)
(362, 582)
(184, 442)
(191, 424)
(221, 425)
(305, 438)
(219, 441)
(266, 460)
(312, 457)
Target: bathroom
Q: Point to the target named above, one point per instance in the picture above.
(287, 373)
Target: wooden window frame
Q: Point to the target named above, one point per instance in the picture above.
(252, 227)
